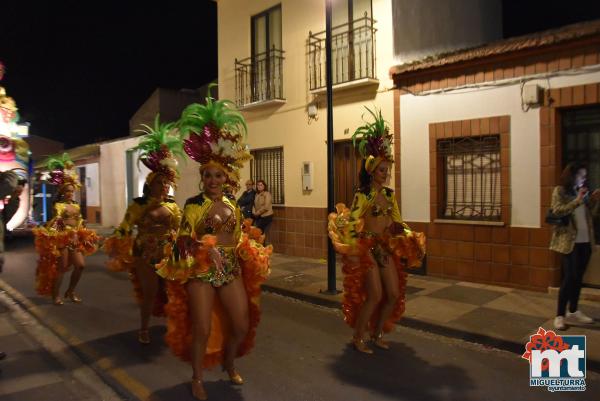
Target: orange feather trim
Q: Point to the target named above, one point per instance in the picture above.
(49, 243)
(254, 262)
(121, 259)
(407, 251)
(118, 250)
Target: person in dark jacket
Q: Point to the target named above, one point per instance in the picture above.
(246, 201)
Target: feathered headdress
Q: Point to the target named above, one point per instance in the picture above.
(374, 141)
(61, 172)
(216, 136)
(158, 149)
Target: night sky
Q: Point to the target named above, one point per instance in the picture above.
(78, 70)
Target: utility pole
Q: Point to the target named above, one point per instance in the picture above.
(331, 284)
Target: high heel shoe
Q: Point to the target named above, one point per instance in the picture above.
(72, 297)
(144, 337)
(234, 376)
(58, 301)
(198, 389)
(379, 341)
(360, 346)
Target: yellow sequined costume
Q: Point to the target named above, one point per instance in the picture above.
(151, 245)
(191, 260)
(54, 237)
(362, 250)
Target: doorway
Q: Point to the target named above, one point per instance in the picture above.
(581, 143)
(346, 166)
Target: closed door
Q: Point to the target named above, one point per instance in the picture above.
(347, 166)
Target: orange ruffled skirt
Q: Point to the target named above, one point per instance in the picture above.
(121, 260)
(407, 251)
(355, 270)
(50, 242)
(254, 264)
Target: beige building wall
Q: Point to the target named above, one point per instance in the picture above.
(113, 179)
(288, 125)
(188, 184)
(468, 104)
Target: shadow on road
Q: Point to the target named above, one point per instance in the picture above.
(218, 390)
(27, 363)
(123, 349)
(400, 373)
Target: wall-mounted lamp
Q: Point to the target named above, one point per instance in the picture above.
(312, 110)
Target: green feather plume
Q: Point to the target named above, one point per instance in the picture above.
(158, 137)
(221, 113)
(372, 137)
(59, 162)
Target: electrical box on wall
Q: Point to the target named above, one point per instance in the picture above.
(532, 94)
(307, 176)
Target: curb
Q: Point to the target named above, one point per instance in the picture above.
(482, 339)
(54, 344)
(112, 379)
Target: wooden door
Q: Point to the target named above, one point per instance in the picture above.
(346, 167)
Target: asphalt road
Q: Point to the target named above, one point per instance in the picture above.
(301, 354)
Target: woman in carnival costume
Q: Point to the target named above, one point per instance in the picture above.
(63, 241)
(375, 243)
(218, 263)
(156, 217)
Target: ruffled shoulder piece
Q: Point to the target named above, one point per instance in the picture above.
(190, 259)
(342, 230)
(118, 248)
(409, 248)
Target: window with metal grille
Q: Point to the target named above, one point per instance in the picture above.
(471, 171)
(267, 165)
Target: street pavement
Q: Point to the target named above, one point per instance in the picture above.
(302, 353)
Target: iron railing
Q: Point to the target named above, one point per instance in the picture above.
(259, 77)
(352, 53)
(471, 168)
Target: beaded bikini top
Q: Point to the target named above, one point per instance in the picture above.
(213, 224)
(378, 210)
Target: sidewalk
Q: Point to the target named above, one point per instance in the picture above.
(496, 316)
(38, 365)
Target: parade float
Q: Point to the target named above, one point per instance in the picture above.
(14, 152)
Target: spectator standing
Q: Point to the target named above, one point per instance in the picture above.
(263, 207)
(246, 200)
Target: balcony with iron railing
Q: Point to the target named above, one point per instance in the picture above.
(352, 55)
(259, 79)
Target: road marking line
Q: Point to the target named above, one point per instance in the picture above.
(104, 364)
